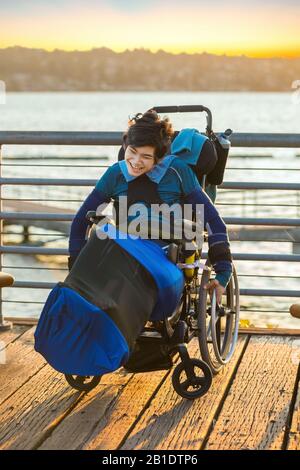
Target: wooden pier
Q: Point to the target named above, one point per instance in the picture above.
(254, 403)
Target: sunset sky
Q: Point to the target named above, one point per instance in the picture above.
(257, 28)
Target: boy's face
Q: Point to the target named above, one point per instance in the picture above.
(139, 160)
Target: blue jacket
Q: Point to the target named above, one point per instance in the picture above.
(177, 183)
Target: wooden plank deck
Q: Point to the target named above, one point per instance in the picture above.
(254, 403)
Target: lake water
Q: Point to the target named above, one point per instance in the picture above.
(242, 112)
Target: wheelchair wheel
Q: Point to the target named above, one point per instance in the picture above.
(83, 383)
(193, 386)
(218, 327)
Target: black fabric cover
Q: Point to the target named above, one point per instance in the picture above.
(216, 176)
(219, 252)
(150, 355)
(207, 160)
(128, 295)
(142, 189)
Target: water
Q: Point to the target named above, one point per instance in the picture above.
(242, 112)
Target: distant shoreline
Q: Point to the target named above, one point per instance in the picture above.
(102, 69)
(145, 49)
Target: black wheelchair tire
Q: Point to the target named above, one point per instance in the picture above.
(206, 380)
(77, 382)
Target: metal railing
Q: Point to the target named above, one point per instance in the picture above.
(113, 139)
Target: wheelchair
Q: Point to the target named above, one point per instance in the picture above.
(214, 326)
(197, 316)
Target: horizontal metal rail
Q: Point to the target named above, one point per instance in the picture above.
(36, 216)
(249, 168)
(263, 185)
(21, 302)
(115, 139)
(47, 182)
(41, 268)
(91, 182)
(270, 292)
(264, 221)
(280, 140)
(55, 157)
(238, 139)
(273, 222)
(32, 250)
(34, 284)
(22, 165)
(248, 292)
(60, 138)
(53, 165)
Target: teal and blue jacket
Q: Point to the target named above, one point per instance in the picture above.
(176, 183)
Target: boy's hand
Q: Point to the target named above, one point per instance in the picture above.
(220, 290)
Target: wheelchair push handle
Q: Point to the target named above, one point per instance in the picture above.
(189, 108)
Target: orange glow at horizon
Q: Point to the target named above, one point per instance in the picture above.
(254, 33)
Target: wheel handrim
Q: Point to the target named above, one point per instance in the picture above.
(217, 351)
(224, 351)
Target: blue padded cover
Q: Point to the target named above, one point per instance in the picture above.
(75, 337)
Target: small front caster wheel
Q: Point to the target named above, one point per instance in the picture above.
(192, 384)
(83, 383)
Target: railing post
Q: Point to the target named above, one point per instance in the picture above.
(4, 325)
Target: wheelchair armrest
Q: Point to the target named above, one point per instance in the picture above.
(176, 253)
(93, 217)
(173, 252)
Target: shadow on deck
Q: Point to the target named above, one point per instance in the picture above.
(254, 403)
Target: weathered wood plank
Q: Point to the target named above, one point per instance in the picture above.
(100, 422)
(255, 412)
(7, 337)
(171, 422)
(294, 434)
(23, 321)
(22, 362)
(29, 416)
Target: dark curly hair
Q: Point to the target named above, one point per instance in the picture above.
(149, 129)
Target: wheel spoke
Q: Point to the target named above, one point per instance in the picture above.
(201, 381)
(79, 379)
(186, 384)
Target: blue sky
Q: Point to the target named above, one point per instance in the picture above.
(28, 6)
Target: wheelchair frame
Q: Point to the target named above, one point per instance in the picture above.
(197, 315)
